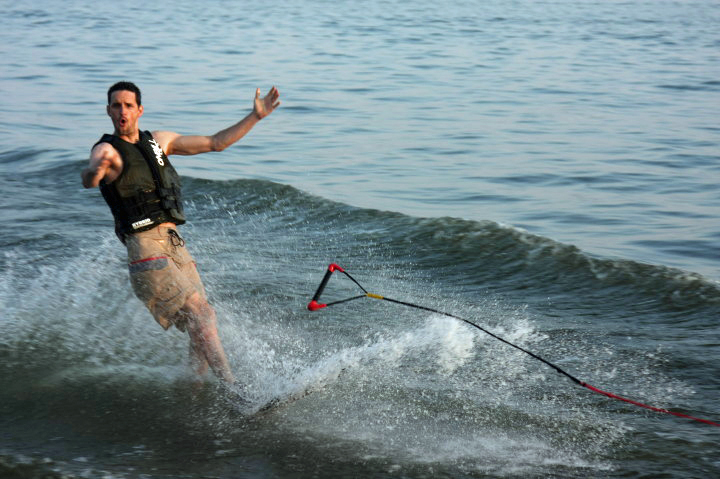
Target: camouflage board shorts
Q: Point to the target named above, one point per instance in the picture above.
(162, 273)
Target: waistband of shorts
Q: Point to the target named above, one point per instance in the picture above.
(166, 231)
(161, 228)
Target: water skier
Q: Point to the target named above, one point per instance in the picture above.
(142, 189)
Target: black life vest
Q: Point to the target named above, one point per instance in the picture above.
(147, 191)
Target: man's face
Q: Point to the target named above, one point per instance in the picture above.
(124, 112)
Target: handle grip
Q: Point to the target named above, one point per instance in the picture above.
(314, 305)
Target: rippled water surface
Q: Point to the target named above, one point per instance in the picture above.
(548, 170)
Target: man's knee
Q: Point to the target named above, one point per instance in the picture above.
(198, 313)
(197, 305)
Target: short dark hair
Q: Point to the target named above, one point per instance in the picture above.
(125, 86)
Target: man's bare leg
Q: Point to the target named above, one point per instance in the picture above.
(205, 342)
(198, 363)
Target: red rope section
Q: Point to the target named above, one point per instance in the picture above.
(652, 408)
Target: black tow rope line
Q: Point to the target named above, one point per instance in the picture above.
(315, 305)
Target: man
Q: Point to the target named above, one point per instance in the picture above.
(132, 169)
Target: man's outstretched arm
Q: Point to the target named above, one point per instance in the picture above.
(176, 144)
(105, 163)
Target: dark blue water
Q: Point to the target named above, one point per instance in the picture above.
(547, 170)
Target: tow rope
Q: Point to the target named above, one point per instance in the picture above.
(314, 305)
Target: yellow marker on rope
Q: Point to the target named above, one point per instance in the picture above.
(376, 296)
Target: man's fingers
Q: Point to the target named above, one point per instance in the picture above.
(274, 95)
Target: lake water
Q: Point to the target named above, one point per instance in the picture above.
(546, 169)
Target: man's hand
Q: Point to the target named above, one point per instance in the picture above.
(264, 106)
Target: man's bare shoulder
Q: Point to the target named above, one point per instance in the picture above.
(176, 144)
(164, 138)
(102, 146)
(104, 150)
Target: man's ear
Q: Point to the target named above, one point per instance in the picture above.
(141, 110)
(107, 110)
